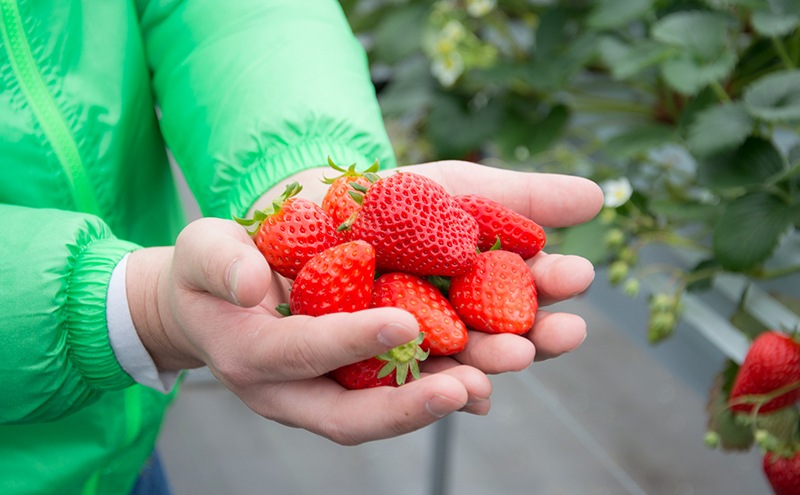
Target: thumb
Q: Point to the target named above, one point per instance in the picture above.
(217, 256)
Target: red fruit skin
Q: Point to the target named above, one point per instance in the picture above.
(294, 235)
(517, 233)
(772, 362)
(497, 294)
(339, 204)
(416, 227)
(338, 280)
(364, 374)
(782, 473)
(445, 333)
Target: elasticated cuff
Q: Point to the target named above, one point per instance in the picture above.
(274, 168)
(87, 331)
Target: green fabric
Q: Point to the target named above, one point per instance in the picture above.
(251, 91)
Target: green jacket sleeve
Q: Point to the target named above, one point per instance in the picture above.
(55, 356)
(252, 91)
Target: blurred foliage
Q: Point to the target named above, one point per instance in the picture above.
(686, 112)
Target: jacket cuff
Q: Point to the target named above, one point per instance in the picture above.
(87, 332)
(274, 168)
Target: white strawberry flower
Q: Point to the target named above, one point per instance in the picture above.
(616, 192)
(454, 31)
(447, 67)
(479, 8)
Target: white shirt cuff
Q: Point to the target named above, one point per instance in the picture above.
(125, 342)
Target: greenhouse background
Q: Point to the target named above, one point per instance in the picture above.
(688, 114)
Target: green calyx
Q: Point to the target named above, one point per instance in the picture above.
(370, 173)
(253, 224)
(404, 358)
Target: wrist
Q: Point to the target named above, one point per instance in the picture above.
(147, 286)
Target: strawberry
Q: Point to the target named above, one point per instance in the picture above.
(783, 471)
(444, 331)
(337, 280)
(772, 363)
(517, 233)
(389, 369)
(416, 227)
(291, 231)
(338, 201)
(496, 295)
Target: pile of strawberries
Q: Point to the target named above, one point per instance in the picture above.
(454, 262)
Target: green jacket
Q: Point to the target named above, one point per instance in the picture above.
(250, 92)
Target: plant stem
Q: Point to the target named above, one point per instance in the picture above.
(782, 53)
(778, 272)
(720, 91)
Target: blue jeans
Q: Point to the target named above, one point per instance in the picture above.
(152, 480)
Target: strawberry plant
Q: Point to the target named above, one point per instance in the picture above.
(686, 112)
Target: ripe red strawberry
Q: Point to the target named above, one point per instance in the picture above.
(783, 472)
(772, 362)
(338, 280)
(517, 233)
(292, 231)
(388, 369)
(496, 295)
(416, 227)
(338, 201)
(445, 333)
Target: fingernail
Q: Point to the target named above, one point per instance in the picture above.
(233, 279)
(395, 334)
(440, 406)
(474, 399)
(579, 343)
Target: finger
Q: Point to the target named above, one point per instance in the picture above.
(555, 334)
(351, 417)
(478, 385)
(559, 277)
(300, 347)
(497, 353)
(551, 200)
(217, 256)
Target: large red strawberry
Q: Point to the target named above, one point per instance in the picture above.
(338, 201)
(338, 280)
(416, 227)
(496, 295)
(389, 369)
(445, 333)
(783, 472)
(772, 363)
(291, 231)
(517, 233)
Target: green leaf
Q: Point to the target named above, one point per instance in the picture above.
(688, 75)
(627, 60)
(411, 89)
(551, 73)
(775, 97)
(639, 140)
(733, 434)
(456, 129)
(770, 24)
(755, 161)
(536, 135)
(702, 33)
(685, 211)
(586, 240)
(399, 33)
(610, 14)
(750, 229)
(703, 284)
(718, 128)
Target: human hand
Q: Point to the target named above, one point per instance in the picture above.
(210, 301)
(550, 200)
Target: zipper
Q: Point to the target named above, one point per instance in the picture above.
(44, 107)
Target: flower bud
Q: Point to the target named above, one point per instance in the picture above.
(617, 272)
